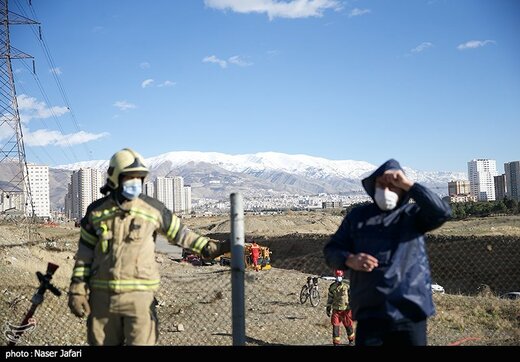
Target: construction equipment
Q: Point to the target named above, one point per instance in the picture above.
(264, 259)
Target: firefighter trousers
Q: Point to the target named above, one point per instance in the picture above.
(338, 318)
(122, 319)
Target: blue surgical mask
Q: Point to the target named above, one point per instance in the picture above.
(132, 188)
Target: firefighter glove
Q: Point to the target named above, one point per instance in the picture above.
(216, 248)
(328, 310)
(78, 305)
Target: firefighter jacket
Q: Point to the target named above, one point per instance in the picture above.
(338, 296)
(117, 244)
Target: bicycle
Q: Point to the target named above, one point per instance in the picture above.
(310, 291)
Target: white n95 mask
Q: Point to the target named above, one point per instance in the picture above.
(386, 199)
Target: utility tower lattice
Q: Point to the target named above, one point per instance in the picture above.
(15, 192)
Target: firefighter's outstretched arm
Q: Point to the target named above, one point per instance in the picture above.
(216, 248)
(179, 234)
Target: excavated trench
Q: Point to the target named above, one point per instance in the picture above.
(462, 265)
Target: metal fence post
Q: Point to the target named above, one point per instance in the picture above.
(237, 270)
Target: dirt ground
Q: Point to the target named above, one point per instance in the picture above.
(327, 223)
(195, 302)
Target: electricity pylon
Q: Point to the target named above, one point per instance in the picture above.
(15, 192)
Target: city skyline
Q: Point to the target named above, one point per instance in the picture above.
(483, 184)
(433, 84)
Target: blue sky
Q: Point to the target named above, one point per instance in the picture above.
(432, 83)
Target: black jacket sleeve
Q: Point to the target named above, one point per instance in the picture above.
(433, 212)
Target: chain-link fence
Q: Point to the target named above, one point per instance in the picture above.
(194, 301)
(473, 275)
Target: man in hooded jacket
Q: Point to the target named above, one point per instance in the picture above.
(382, 244)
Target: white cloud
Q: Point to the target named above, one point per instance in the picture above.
(144, 65)
(358, 12)
(80, 137)
(422, 47)
(240, 61)
(235, 59)
(56, 70)
(124, 105)
(45, 137)
(273, 8)
(473, 44)
(97, 29)
(147, 83)
(214, 59)
(30, 108)
(166, 83)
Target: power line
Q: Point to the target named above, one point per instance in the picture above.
(58, 82)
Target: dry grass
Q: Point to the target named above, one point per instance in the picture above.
(486, 320)
(484, 226)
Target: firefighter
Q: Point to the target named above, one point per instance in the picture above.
(266, 257)
(115, 262)
(255, 254)
(338, 309)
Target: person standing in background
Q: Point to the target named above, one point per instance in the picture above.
(338, 309)
(255, 254)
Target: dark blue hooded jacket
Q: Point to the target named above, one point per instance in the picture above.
(400, 287)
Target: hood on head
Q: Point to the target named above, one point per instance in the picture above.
(369, 183)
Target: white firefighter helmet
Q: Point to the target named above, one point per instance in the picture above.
(124, 162)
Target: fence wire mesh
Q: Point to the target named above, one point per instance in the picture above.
(194, 301)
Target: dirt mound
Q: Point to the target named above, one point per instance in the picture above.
(270, 225)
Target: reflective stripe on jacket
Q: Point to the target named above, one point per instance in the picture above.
(117, 247)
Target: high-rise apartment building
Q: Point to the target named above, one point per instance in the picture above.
(149, 188)
(500, 187)
(187, 199)
(163, 191)
(178, 195)
(459, 187)
(512, 173)
(171, 192)
(481, 173)
(39, 187)
(83, 190)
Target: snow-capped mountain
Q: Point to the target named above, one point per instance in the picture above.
(216, 175)
(304, 165)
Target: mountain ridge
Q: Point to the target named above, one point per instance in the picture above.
(216, 175)
(301, 164)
